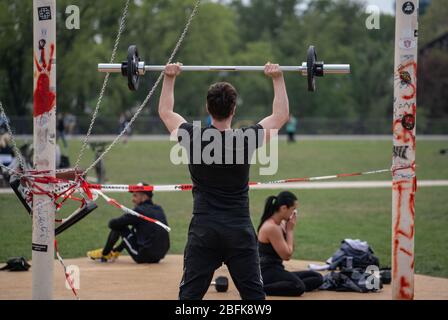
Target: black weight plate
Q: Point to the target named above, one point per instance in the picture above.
(80, 214)
(222, 284)
(132, 68)
(310, 62)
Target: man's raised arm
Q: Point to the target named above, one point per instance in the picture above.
(280, 106)
(171, 119)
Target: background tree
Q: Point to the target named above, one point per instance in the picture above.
(224, 32)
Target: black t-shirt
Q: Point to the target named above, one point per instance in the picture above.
(220, 181)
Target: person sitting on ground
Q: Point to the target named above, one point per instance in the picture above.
(6, 150)
(146, 242)
(276, 243)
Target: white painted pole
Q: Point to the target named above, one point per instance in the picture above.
(404, 181)
(44, 61)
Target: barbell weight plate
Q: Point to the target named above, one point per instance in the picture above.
(132, 68)
(310, 64)
(222, 284)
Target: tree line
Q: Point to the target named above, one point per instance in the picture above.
(224, 32)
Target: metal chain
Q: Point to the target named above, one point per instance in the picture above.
(151, 92)
(13, 141)
(20, 175)
(105, 82)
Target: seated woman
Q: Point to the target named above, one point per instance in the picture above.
(276, 243)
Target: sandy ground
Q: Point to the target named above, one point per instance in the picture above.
(123, 279)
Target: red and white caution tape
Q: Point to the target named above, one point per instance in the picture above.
(67, 275)
(307, 179)
(188, 187)
(118, 205)
(66, 188)
(139, 188)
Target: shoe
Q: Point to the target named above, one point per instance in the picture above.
(114, 255)
(98, 255)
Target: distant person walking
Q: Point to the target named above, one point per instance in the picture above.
(60, 127)
(70, 123)
(123, 122)
(291, 128)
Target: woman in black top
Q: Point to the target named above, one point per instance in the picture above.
(276, 243)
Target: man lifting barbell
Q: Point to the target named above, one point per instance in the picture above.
(221, 230)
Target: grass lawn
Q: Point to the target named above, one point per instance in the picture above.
(326, 216)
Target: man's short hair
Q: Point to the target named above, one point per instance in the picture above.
(221, 100)
(148, 193)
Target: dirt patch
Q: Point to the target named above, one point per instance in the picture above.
(124, 279)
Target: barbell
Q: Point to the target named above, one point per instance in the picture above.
(134, 67)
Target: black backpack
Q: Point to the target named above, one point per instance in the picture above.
(16, 264)
(350, 256)
(352, 259)
(354, 280)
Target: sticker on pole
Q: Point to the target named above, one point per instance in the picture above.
(408, 122)
(39, 247)
(407, 43)
(44, 13)
(408, 7)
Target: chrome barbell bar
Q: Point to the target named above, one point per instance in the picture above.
(142, 68)
(134, 67)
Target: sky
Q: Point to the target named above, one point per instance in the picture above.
(386, 6)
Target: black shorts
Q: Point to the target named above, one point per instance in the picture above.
(214, 240)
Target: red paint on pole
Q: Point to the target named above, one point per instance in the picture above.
(396, 244)
(398, 186)
(405, 77)
(406, 252)
(44, 97)
(401, 134)
(404, 284)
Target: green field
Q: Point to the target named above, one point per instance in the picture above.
(326, 216)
